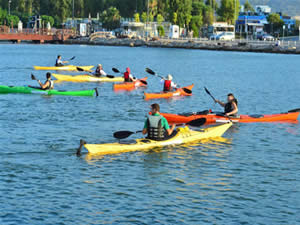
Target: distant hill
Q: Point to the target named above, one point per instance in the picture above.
(289, 7)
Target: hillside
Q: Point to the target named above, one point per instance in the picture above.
(290, 7)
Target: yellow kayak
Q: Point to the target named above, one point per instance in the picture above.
(86, 78)
(64, 68)
(184, 135)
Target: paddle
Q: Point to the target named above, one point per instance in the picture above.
(82, 70)
(126, 134)
(33, 77)
(186, 90)
(207, 91)
(117, 71)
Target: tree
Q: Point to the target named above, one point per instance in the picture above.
(161, 31)
(110, 18)
(174, 18)
(137, 17)
(248, 7)
(208, 17)
(275, 21)
(144, 17)
(12, 20)
(159, 19)
(46, 19)
(229, 10)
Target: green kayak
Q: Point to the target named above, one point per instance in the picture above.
(36, 90)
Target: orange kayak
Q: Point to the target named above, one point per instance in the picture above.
(185, 91)
(290, 116)
(129, 86)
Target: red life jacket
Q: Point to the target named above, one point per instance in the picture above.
(167, 85)
(126, 77)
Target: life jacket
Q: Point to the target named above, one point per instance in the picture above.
(167, 85)
(98, 72)
(50, 86)
(127, 77)
(228, 106)
(155, 130)
(58, 63)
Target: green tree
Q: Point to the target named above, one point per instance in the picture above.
(144, 17)
(110, 18)
(46, 19)
(137, 17)
(159, 19)
(3, 15)
(229, 10)
(208, 16)
(275, 21)
(161, 31)
(174, 18)
(248, 7)
(12, 20)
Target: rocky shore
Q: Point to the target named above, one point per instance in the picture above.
(242, 46)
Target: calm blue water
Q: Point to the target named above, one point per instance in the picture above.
(250, 177)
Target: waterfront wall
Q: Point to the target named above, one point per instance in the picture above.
(291, 47)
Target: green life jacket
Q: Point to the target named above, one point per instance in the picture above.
(155, 130)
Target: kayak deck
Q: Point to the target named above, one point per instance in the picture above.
(184, 135)
(129, 86)
(176, 93)
(214, 118)
(32, 90)
(63, 68)
(86, 78)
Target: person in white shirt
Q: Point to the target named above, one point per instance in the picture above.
(59, 61)
(99, 71)
(169, 85)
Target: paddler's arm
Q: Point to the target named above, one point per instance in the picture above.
(65, 62)
(235, 111)
(221, 103)
(145, 130)
(170, 131)
(45, 85)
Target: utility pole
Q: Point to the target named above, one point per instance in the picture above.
(9, 1)
(147, 17)
(73, 14)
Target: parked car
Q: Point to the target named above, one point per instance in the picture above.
(266, 37)
(213, 37)
(226, 36)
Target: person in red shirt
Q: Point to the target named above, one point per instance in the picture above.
(128, 76)
(169, 85)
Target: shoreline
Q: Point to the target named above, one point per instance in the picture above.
(290, 47)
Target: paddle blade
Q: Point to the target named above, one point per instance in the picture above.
(150, 71)
(294, 110)
(188, 91)
(79, 69)
(123, 134)
(110, 76)
(73, 58)
(33, 77)
(144, 82)
(115, 70)
(197, 123)
(207, 91)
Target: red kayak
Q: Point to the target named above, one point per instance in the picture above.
(290, 116)
(129, 86)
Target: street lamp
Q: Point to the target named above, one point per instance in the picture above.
(73, 14)
(9, 1)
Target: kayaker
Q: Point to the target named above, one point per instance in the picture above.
(99, 71)
(156, 126)
(128, 76)
(231, 107)
(59, 61)
(48, 85)
(169, 85)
